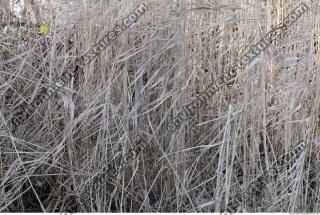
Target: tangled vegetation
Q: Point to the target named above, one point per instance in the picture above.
(102, 143)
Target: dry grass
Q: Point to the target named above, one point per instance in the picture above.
(103, 145)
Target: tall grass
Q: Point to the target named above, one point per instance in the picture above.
(103, 144)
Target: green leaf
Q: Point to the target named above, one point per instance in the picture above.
(44, 29)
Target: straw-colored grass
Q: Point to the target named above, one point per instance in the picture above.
(103, 144)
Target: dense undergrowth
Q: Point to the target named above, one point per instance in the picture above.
(103, 144)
